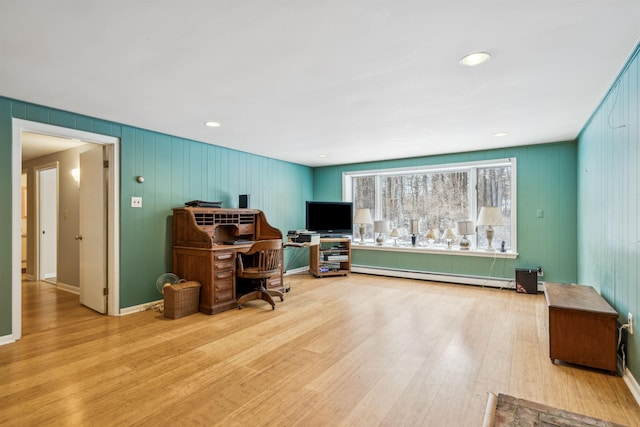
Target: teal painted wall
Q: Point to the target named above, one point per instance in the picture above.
(5, 217)
(178, 170)
(546, 180)
(175, 170)
(609, 200)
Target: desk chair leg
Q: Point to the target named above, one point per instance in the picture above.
(275, 293)
(266, 297)
(260, 293)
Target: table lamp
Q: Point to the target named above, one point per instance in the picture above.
(414, 230)
(464, 228)
(380, 227)
(448, 236)
(490, 216)
(362, 217)
(432, 235)
(394, 235)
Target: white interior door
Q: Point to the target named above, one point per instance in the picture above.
(93, 231)
(48, 223)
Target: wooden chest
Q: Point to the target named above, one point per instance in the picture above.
(582, 326)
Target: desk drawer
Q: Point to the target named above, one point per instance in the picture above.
(224, 291)
(223, 275)
(223, 265)
(223, 260)
(222, 285)
(223, 256)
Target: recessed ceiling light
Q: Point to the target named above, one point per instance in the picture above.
(322, 156)
(212, 124)
(501, 134)
(476, 58)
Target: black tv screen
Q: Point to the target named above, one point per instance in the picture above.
(330, 218)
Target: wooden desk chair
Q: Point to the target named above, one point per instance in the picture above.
(261, 262)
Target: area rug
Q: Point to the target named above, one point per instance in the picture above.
(507, 411)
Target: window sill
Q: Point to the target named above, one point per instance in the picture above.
(435, 249)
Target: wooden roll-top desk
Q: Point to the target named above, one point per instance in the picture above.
(205, 244)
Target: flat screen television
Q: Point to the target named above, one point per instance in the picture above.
(330, 219)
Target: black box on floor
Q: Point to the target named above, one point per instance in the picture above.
(527, 280)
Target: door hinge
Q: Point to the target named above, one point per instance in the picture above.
(105, 291)
(105, 163)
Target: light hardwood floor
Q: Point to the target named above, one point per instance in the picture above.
(354, 351)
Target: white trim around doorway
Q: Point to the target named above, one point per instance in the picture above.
(113, 240)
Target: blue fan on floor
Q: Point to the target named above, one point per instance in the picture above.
(164, 280)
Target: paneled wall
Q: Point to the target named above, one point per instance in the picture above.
(609, 200)
(546, 180)
(5, 217)
(175, 170)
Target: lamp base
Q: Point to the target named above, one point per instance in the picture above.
(489, 239)
(380, 239)
(465, 244)
(361, 229)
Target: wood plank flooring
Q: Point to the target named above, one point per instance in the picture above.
(348, 351)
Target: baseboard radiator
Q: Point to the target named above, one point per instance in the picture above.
(493, 282)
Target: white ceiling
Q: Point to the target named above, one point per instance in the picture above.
(36, 145)
(356, 80)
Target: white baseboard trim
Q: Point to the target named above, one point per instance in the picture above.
(631, 382)
(68, 288)
(493, 282)
(7, 339)
(140, 307)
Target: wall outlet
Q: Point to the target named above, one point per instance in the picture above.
(630, 322)
(136, 202)
(540, 271)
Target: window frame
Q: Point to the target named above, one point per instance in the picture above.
(470, 167)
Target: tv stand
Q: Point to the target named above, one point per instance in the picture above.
(331, 257)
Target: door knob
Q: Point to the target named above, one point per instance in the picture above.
(78, 237)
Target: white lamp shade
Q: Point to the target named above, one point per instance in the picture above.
(465, 228)
(395, 232)
(432, 234)
(448, 234)
(380, 226)
(414, 226)
(490, 215)
(363, 216)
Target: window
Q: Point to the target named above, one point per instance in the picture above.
(438, 196)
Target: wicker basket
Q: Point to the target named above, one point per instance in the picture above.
(181, 299)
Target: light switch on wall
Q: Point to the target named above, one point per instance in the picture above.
(539, 213)
(136, 202)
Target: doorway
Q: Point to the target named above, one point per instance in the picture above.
(111, 173)
(46, 216)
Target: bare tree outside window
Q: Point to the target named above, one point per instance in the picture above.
(364, 196)
(494, 189)
(437, 200)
